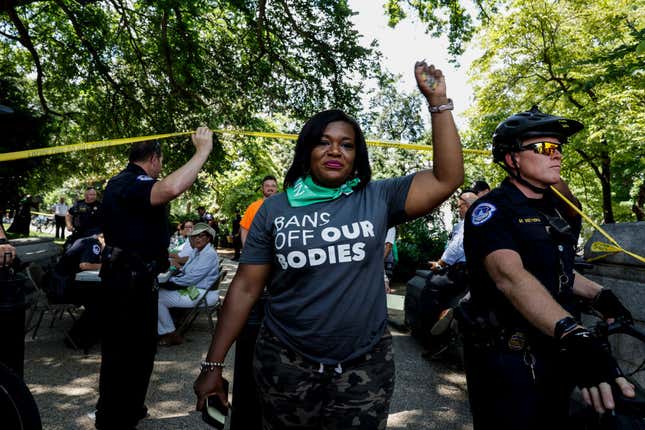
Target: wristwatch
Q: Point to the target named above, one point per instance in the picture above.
(3, 241)
(441, 108)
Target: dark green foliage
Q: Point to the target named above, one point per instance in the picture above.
(418, 242)
(113, 69)
(20, 130)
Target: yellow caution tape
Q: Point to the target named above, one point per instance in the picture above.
(616, 246)
(607, 248)
(604, 247)
(417, 147)
(41, 213)
(270, 135)
(30, 153)
(599, 257)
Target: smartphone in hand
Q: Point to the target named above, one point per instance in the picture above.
(214, 412)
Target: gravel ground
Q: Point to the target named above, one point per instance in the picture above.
(64, 383)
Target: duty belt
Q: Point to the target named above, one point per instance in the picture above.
(112, 256)
(508, 340)
(485, 330)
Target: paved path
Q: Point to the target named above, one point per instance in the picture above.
(65, 383)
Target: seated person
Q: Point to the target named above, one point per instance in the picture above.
(184, 289)
(84, 254)
(177, 238)
(182, 250)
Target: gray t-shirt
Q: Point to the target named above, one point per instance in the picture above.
(326, 293)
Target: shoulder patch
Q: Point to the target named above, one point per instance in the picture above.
(482, 213)
(96, 250)
(144, 178)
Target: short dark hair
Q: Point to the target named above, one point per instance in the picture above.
(201, 208)
(310, 136)
(480, 186)
(141, 151)
(269, 178)
(90, 188)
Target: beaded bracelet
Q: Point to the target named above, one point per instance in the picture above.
(209, 366)
(441, 108)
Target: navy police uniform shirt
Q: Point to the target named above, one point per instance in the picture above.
(87, 218)
(86, 250)
(132, 223)
(506, 219)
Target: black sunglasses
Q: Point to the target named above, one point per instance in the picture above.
(544, 148)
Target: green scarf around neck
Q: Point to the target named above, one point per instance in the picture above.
(306, 192)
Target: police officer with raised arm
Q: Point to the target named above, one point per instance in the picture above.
(136, 236)
(525, 349)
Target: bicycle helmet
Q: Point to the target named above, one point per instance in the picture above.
(510, 133)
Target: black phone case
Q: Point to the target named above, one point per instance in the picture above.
(214, 412)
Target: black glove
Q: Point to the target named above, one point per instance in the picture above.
(588, 357)
(609, 306)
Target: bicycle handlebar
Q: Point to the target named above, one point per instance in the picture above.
(619, 326)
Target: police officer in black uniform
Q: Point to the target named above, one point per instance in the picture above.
(525, 349)
(84, 254)
(85, 218)
(136, 236)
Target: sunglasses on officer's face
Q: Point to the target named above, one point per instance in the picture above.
(544, 148)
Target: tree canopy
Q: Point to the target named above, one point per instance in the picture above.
(114, 68)
(573, 58)
(90, 70)
(580, 60)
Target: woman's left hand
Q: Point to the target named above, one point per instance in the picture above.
(431, 83)
(208, 384)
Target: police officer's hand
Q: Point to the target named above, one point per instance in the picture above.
(203, 140)
(592, 367)
(207, 384)
(431, 82)
(7, 254)
(608, 305)
(601, 397)
(69, 228)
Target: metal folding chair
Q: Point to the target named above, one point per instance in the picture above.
(40, 304)
(202, 306)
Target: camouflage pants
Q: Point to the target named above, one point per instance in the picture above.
(297, 393)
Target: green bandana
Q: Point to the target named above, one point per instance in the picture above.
(306, 192)
(192, 292)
